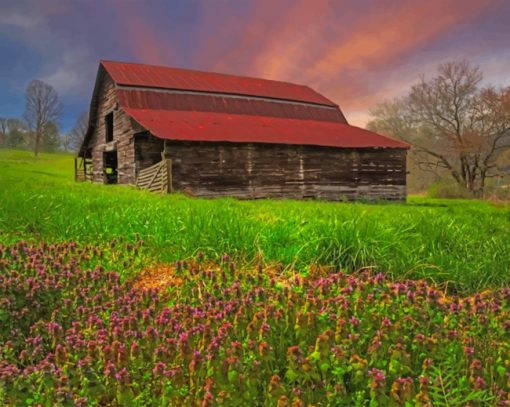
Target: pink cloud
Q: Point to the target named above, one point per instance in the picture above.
(140, 35)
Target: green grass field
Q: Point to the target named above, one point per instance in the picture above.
(464, 243)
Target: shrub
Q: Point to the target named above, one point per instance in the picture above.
(448, 190)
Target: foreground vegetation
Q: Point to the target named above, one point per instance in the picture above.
(215, 335)
(464, 243)
(114, 296)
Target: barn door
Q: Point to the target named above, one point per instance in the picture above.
(156, 178)
(110, 167)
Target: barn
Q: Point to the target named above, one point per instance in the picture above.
(208, 134)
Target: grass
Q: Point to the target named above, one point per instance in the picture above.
(464, 243)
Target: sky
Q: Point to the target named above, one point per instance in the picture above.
(357, 53)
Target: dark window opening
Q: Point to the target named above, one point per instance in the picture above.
(110, 167)
(108, 122)
(142, 136)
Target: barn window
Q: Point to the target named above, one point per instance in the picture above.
(108, 122)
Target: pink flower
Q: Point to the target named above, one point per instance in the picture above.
(378, 378)
(122, 376)
(159, 368)
(386, 322)
(479, 383)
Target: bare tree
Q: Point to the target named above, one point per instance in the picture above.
(75, 137)
(454, 126)
(42, 107)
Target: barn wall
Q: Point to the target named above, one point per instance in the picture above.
(281, 171)
(123, 131)
(147, 150)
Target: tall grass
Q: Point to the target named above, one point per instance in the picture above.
(464, 243)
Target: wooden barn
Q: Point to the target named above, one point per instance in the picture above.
(209, 135)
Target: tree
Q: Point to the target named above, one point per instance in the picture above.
(12, 133)
(42, 107)
(454, 126)
(3, 131)
(73, 140)
(50, 140)
(16, 139)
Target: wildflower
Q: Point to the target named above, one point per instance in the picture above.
(109, 370)
(476, 365)
(378, 378)
(386, 323)
(479, 383)
(135, 349)
(122, 376)
(402, 390)
(453, 333)
(354, 321)
(264, 350)
(60, 354)
(158, 369)
(427, 363)
(86, 361)
(275, 387)
(208, 400)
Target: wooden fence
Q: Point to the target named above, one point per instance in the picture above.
(82, 169)
(156, 178)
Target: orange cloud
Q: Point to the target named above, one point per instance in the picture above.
(297, 34)
(140, 36)
(364, 67)
(232, 42)
(385, 34)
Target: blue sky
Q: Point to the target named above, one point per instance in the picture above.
(357, 53)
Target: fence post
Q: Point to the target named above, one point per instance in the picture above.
(169, 186)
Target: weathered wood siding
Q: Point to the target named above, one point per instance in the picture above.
(254, 171)
(123, 131)
(248, 170)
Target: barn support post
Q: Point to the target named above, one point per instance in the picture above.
(167, 163)
(165, 151)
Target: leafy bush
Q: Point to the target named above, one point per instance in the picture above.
(215, 335)
(448, 190)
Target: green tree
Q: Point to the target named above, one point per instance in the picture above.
(51, 138)
(14, 133)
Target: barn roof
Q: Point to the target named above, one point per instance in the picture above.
(162, 77)
(181, 104)
(239, 128)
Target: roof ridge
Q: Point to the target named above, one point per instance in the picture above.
(130, 73)
(207, 72)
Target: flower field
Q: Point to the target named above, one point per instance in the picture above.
(199, 333)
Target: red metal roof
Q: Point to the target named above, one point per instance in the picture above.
(214, 126)
(144, 99)
(150, 76)
(181, 104)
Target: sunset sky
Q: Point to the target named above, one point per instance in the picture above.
(357, 53)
